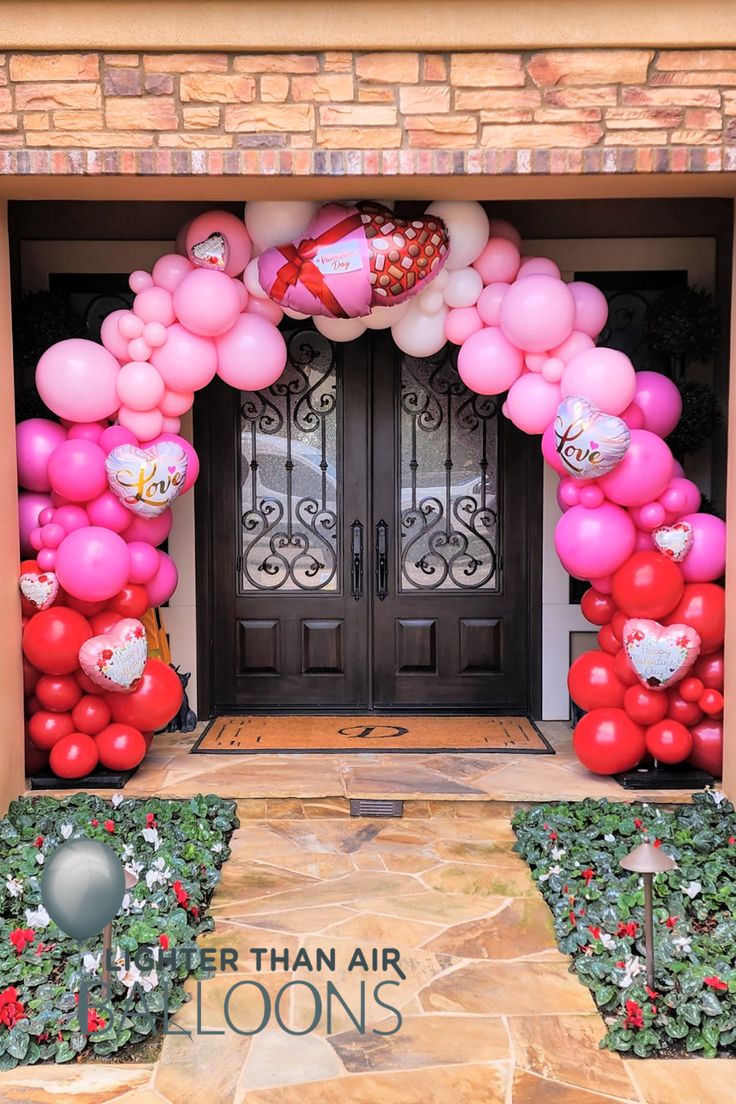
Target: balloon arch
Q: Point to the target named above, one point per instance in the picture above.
(97, 485)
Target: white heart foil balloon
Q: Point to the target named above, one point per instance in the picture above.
(589, 442)
(147, 480)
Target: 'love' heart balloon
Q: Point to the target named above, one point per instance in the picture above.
(82, 887)
(39, 588)
(115, 660)
(674, 541)
(589, 442)
(659, 654)
(147, 480)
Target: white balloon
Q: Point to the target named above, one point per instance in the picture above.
(273, 222)
(430, 301)
(441, 280)
(381, 318)
(468, 227)
(418, 334)
(295, 314)
(463, 289)
(251, 281)
(340, 329)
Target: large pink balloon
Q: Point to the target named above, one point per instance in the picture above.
(251, 355)
(163, 584)
(35, 441)
(144, 561)
(76, 379)
(660, 402)
(187, 361)
(488, 363)
(93, 563)
(537, 313)
(644, 472)
(152, 531)
(30, 505)
(499, 262)
(605, 376)
(205, 229)
(109, 512)
(207, 303)
(77, 470)
(592, 543)
(706, 560)
(591, 308)
(532, 402)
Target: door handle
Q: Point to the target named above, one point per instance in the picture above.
(381, 559)
(356, 559)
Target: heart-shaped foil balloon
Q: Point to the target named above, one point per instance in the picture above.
(40, 588)
(115, 660)
(589, 442)
(405, 254)
(213, 252)
(147, 480)
(674, 541)
(660, 654)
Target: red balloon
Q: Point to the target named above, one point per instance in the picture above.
(131, 601)
(606, 741)
(102, 622)
(30, 678)
(703, 608)
(87, 609)
(710, 670)
(86, 683)
(35, 758)
(90, 715)
(45, 729)
(28, 567)
(155, 700)
(624, 671)
(707, 753)
(74, 756)
(669, 741)
(711, 702)
(52, 639)
(607, 641)
(593, 684)
(686, 712)
(647, 585)
(120, 747)
(31, 705)
(596, 607)
(59, 693)
(690, 689)
(645, 706)
(148, 737)
(617, 625)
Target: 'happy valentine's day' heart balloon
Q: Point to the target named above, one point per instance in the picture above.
(115, 660)
(589, 442)
(40, 588)
(147, 480)
(659, 654)
(82, 887)
(674, 541)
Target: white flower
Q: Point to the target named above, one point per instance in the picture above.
(66, 829)
(39, 858)
(609, 837)
(159, 874)
(632, 969)
(692, 889)
(151, 835)
(133, 976)
(557, 852)
(217, 848)
(607, 940)
(134, 867)
(91, 962)
(132, 904)
(37, 918)
(718, 796)
(128, 852)
(552, 870)
(14, 887)
(682, 942)
(117, 799)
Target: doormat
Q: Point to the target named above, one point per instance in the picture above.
(252, 734)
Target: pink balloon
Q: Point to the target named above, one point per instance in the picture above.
(71, 518)
(152, 531)
(549, 449)
(660, 402)
(532, 402)
(52, 535)
(461, 323)
(87, 431)
(46, 516)
(251, 355)
(46, 559)
(111, 337)
(35, 441)
(489, 304)
(604, 585)
(576, 343)
(605, 376)
(139, 385)
(488, 362)
(139, 349)
(93, 563)
(144, 561)
(265, 308)
(500, 228)
(643, 541)
(649, 516)
(171, 425)
(187, 361)
(163, 584)
(154, 304)
(591, 496)
(176, 403)
(35, 540)
(552, 369)
(591, 308)
(109, 512)
(188, 447)
(238, 246)
(680, 497)
(140, 280)
(144, 423)
(116, 435)
(77, 470)
(169, 271)
(537, 266)
(130, 325)
(633, 416)
(644, 472)
(30, 505)
(537, 313)
(568, 492)
(207, 303)
(591, 543)
(154, 334)
(706, 560)
(499, 262)
(76, 379)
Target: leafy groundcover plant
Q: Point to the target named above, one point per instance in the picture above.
(174, 848)
(574, 849)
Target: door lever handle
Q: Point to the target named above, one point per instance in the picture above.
(356, 559)
(381, 560)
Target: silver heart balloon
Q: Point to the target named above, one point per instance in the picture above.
(589, 442)
(82, 887)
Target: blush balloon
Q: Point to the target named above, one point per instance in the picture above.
(537, 313)
(187, 362)
(170, 270)
(207, 303)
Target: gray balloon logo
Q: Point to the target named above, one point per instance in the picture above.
(82, 887)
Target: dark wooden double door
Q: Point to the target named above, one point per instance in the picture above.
(369, 537)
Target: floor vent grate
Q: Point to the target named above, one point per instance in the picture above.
(375, 807)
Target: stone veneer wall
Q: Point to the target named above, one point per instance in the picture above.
(338, 112)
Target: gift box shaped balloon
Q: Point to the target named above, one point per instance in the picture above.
(353, 259)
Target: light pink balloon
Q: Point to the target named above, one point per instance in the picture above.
(144, 423)
(265, 308)
(189, 449)
(93, 563)
(109, 512)
(660, 402)
(139, 349)
(30, 505)
(77, 470)
(592, 543)
(549, 449)
(152, 531)
(46, 559)
(144, 561)
(238, 242)
(644, 472)
(461, 323)
(207, 303)
(130, 325)
(116, 435)
(552, 369)
(35, 442)
(170, 270)
(605, 376)
(537, 266)
(591, 307)
(171, 425)
(532, 402)
(500, 228)
(488, 363)
(251, 355)
(499, 262)
(187, 362)
(163, 584)
(489, 304)
(576, 343)
(140, 280)
(154, 334)
(680, 497)
(706, 560)
(537, 313)
(176, 403)
(633, 416)
(139, 385)
(76, 379)
(111, 337)
(71, 518)
(154, 304)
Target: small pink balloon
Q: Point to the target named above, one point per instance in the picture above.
(660, 402)
(171, 425)
(52, 535)
(605, 376)
(649, 516)
(591, 543)
(163, 584)
(116, 435)
(188, 447)
(532, 401)
(489, 304)
(681, 496)
(71, 518)
(35, 539)
(604, 585)
(706, 560)
(46, 516)
(76, 379)
(499, 262)
(552, 369)
(140, 386)
(574, 344)
(58, 500)
(154, 334)
(140, 280)
(111, 337)
(633, 416)
(93, 563)
(644, 472)
(488, 362)
(176, 403)
(245, 297)
(265, 308)
(461, 323)
(170, 270)
(591, 496)
(251, 355)
(206, 230)
(643, 541)
(144, 561)
(86, 431)
(500, 228)
(35, 442)
(535, 361)
(187, 362)
(537, 266)
(139, 349)
(678, 471)
(46, 559)
(77, 470)
(130, 326)
(549, 449)
(569, 492)
(144, 423)
(207, 303)
(152, 531)
(537, 313)
(591, 307)
(108, 511)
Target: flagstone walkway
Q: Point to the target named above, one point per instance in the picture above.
(491, 1014)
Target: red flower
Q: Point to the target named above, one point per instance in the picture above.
(634, 1015)
(95, 822)
(716, 983)
(150, 820)
(553, 836)
(732, 839)
(671, 921)
(621, 965)
(588, 875)
(657, 843)
(181, 894)
(629, 928)
(572, 918)
(38, 842)
(594, 930)
(11, 1009)
(651, 992)
(109, 826)
(194, 911)
(638, 823)
(20, 936)
(42, 947)
(94, 1022)
(163, 940)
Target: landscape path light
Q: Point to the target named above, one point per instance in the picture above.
(648, 860)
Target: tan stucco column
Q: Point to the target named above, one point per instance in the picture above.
(729, 717)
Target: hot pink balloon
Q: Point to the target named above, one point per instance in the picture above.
(499, 262)
(591, 543)
(35, 540)
(532, 402)
(591, 308)
(576, 343)
(644, 541)
(143, 423)
(46, 516)
(154, 304)
(176, 403)
(140, 386)
(489, 304)
(109, 512)
(93, 563)
(604, 585)
(680, 497)
(152, 531)
(218, 240)
(35, 441)
(116, 435)
(77, 470)
(76, 379)
(207, 303)
(52, 535)
(461, 323)
(591, 496)
(86, 431)
(549, 450)
(265, 308)
(605, 376)
(660, 402)
(71, 518)
(633, 416)
(649, 516)
(189, 449)
(706, 560)
(30, 505)
(144, 561)
(644, 472)
(187, 361)
(111, 337)
(537, 313)
(488, 362)
(46, 559)
(170, 270)
(163, 584)
(251, 355)
(568, 493)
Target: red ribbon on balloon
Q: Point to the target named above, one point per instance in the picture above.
(300, 266)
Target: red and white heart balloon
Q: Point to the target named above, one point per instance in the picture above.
(659, 654)
(40, 588)
(115, 660)
(674, 541)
